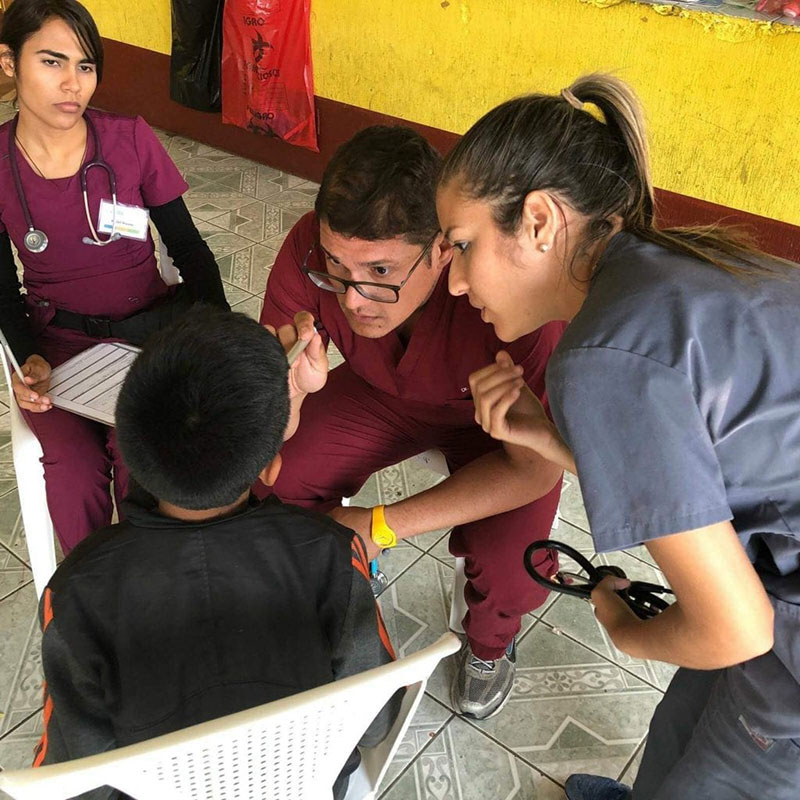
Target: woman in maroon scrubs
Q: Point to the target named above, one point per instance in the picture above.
(58, 162)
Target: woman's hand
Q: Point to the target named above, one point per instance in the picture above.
(31, 394)
(309, 372)
(506, 408)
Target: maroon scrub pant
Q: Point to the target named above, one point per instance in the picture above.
(79, 457)
(350, 430)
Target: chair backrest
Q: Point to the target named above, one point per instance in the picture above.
(169, 272)
(291, 749)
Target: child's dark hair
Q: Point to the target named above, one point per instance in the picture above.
(204, 408)
(381, 184)
(588, 147)
(26, 17)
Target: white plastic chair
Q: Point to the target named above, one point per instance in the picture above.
(169, 272)
(27, 455)
(291, 749)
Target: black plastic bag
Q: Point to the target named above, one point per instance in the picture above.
(196, 62)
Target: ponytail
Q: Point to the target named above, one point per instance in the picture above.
(587, 145)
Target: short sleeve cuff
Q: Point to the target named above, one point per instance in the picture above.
(607, 540)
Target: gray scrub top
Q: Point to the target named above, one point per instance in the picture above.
(677, 387)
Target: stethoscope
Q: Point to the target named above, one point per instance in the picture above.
(36, 241)
(643, 598)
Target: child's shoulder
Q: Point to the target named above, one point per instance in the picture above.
(305, 525)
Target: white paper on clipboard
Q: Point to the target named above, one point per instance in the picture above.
(88, 384)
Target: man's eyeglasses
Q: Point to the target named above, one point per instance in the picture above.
(379, 292)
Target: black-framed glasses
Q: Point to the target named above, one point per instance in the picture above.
(379, 292)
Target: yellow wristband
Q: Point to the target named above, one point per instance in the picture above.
(381, 533)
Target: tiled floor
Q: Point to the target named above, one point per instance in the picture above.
(578, 704)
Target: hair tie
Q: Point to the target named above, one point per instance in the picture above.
(590, 108)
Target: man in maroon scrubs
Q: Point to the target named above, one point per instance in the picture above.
(370, 265)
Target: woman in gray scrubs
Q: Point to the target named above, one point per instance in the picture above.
(676, 393)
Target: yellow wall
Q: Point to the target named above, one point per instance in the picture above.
(722, 96)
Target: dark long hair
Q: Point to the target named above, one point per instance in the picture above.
(587, 146)
(26, 17)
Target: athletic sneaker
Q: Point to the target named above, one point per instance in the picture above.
(481, 688)
(595, 787)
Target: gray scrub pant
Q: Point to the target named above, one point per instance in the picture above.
(702, 746)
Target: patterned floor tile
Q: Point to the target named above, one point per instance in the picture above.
(270, 185)
(234, 295)
(300, 202)
(416, 608)
(212, 200)
(181, 149)
(20, 658)
(571, 710)
(427, 722)
(629, 774)
(11, 533)
(576, 619)
(16, 749)
(14, 573)
(251, 306)
(240, 213)
(571, 508)
(462, 764)
(275, 242)
(248, 268)
(8, 477)
(221, 242)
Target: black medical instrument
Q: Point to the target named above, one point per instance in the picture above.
(36, 241)
(643, 598)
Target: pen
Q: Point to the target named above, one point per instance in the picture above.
(297, 348)
(11, 357)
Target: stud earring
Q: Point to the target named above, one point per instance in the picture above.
(544, 247)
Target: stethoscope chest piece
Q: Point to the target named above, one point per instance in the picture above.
(36, 241)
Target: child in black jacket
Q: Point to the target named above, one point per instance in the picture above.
(203, 602)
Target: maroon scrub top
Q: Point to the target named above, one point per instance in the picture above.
(114, 281)
(449, 342)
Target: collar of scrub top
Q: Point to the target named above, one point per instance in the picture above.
(643, 598)
(36, 241)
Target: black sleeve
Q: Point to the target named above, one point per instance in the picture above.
(190, 254)
(76, 719)
(13, 320)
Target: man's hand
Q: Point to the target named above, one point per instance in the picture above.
(31, 395)
(360, 520)
(309, 372)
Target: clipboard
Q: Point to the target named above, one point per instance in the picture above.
(89, 383)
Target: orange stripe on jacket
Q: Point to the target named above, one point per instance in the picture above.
(384, 634)
(362, 550)
(360, 564)
(359, 567)
(48, 712)
(48, 608)
(41, 748)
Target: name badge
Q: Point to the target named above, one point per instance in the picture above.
(131, 221)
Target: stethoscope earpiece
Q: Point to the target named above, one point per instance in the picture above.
(101, 243)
